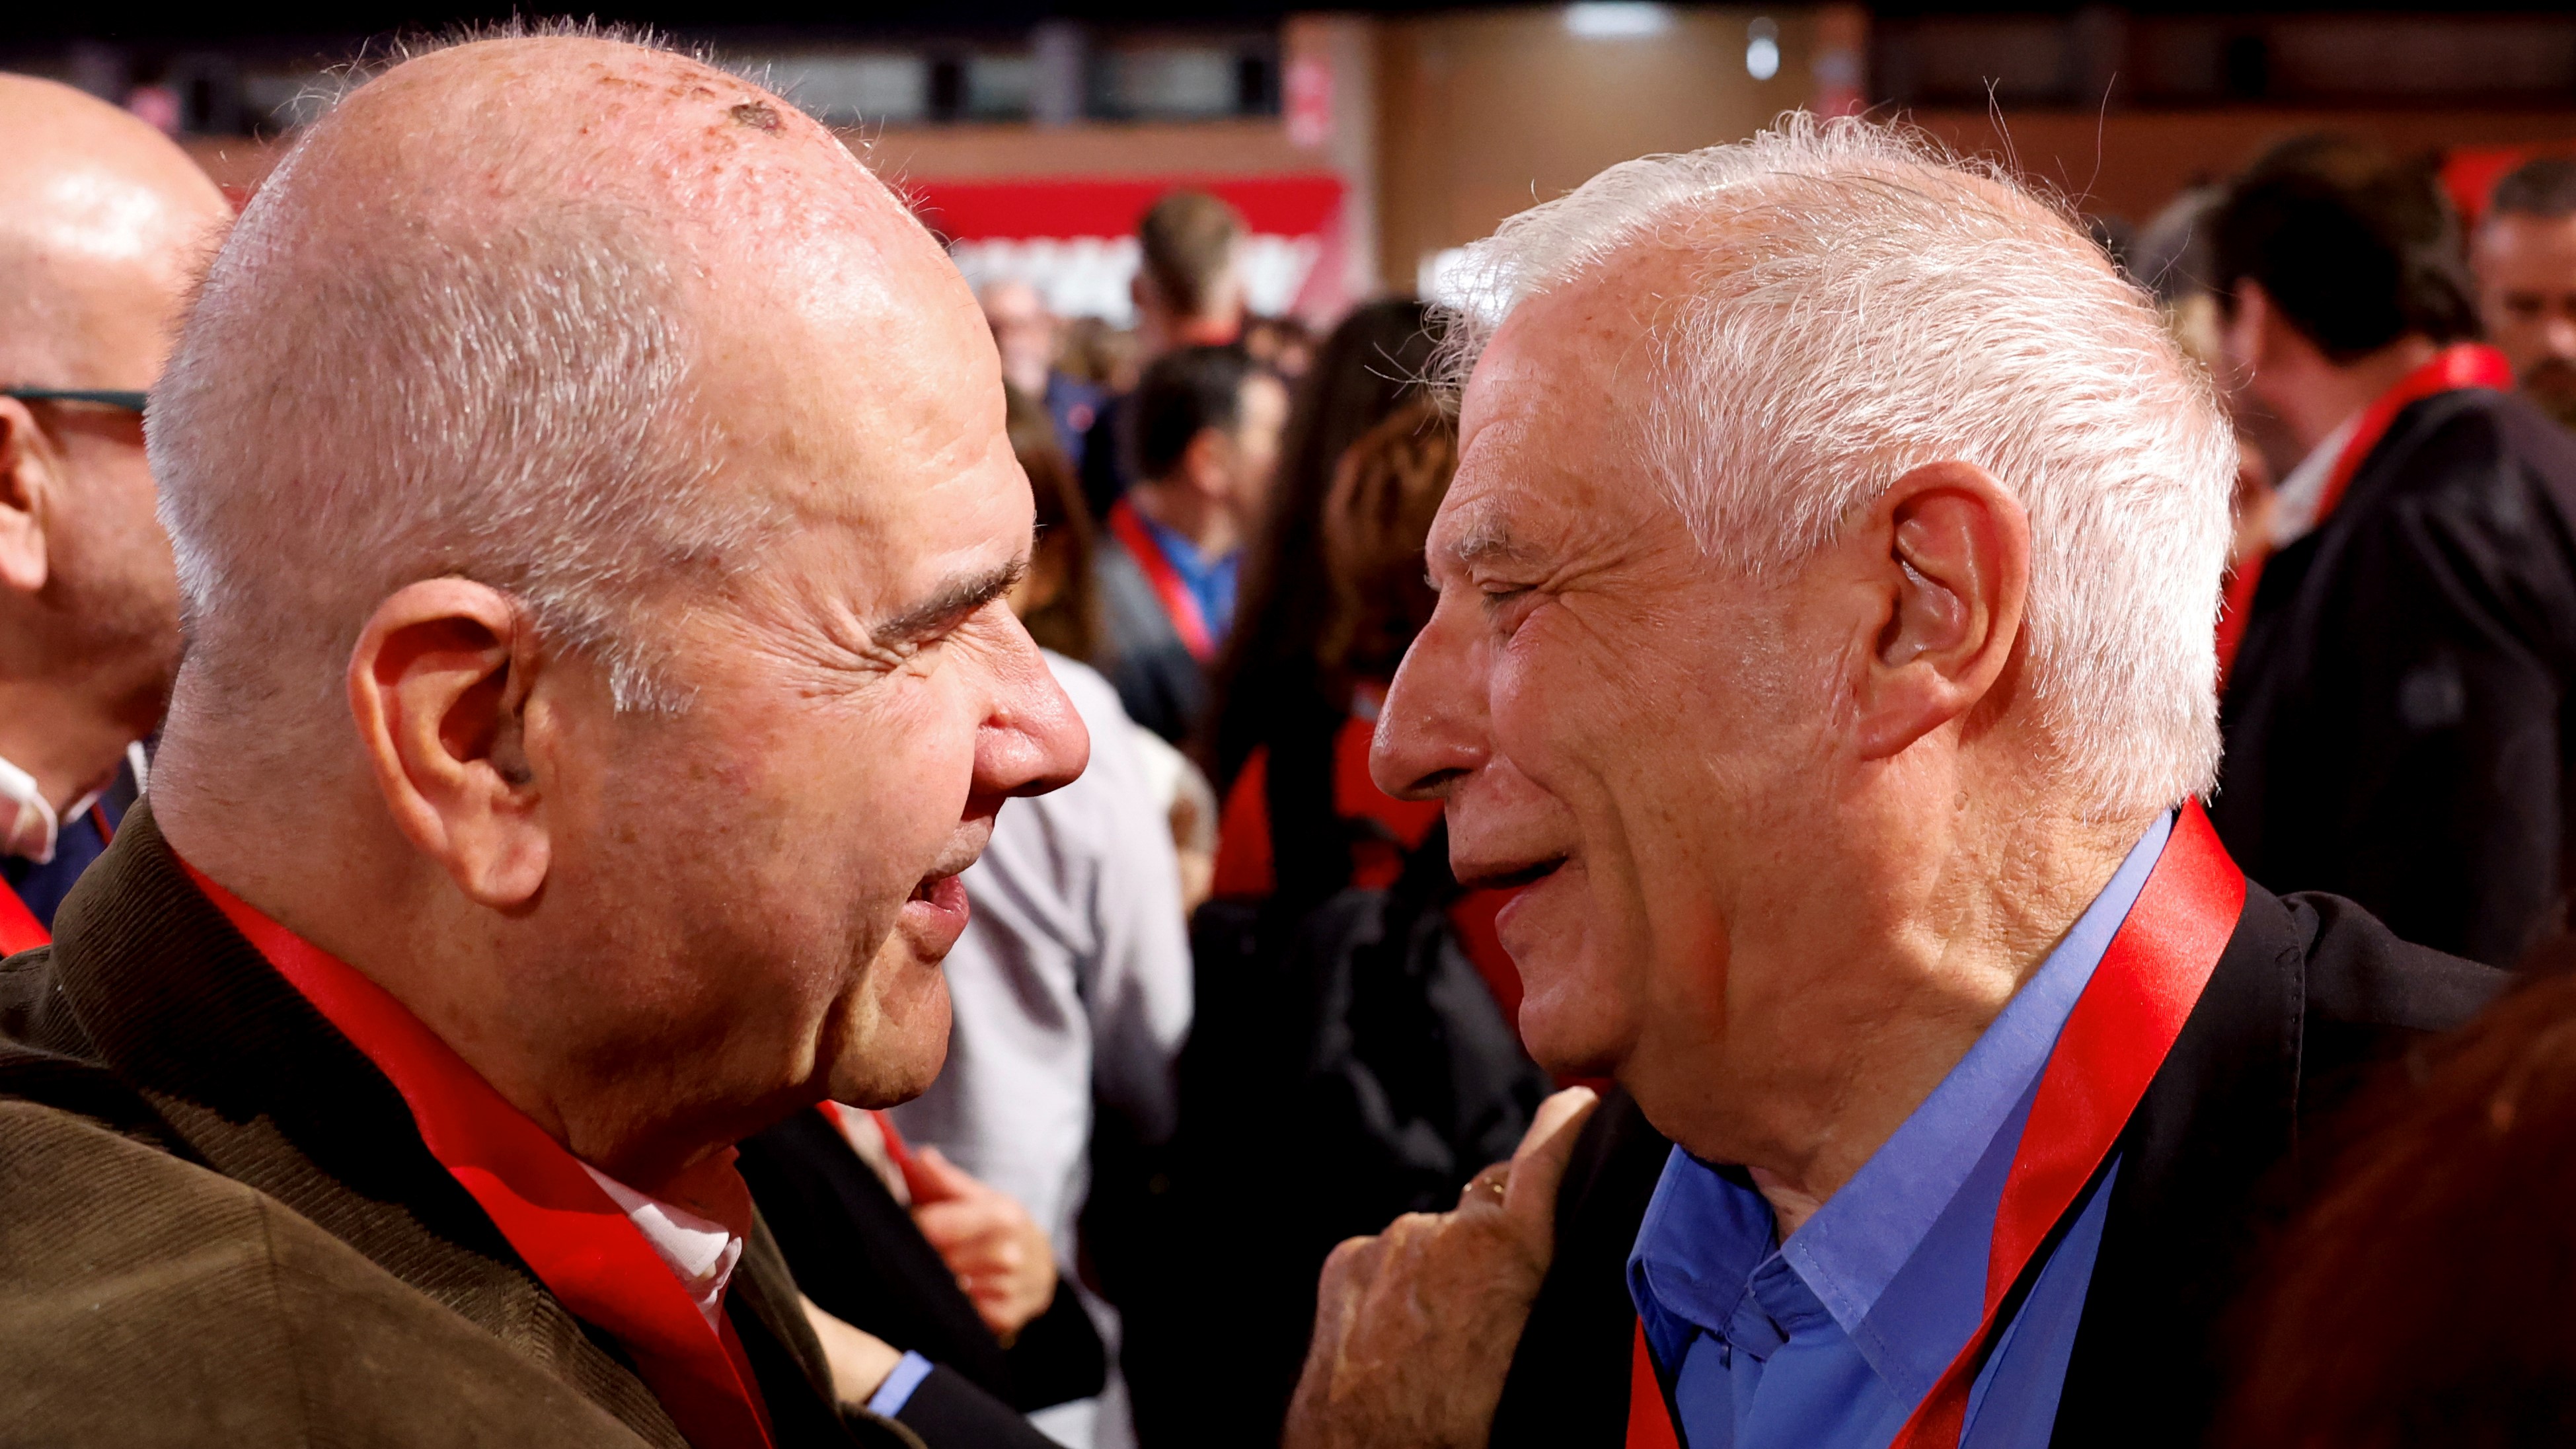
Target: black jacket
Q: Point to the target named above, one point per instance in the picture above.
(2394, 717)
(2310, 995)
(1160, 683)
(856, 1253)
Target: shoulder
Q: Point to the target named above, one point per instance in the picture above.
(2360, 975)
(146, 1299)
(2479, 460)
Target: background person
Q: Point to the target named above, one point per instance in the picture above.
(2393, 714)
(561, 785)
(103, 222)
(1835, 759)
(1188, 291)
(2525, 256)
(1031, 339)
(1273, 698)
(1206, 439)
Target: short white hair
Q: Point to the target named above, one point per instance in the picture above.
(1859, 303)
(372, 391)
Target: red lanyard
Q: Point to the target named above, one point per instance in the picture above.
(585, 1249)
(1178, 601)
(2113, 1044)
(2464, 364)
(19, 928)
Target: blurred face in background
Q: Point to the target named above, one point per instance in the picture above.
(1024, 331)
(2526, 269)
(1254, 445)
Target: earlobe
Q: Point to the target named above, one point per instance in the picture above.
(438, 686)
(1953, 556)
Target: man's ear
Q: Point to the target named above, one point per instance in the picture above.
(28, 480)
(2246, 321)
(438, 685)
(1952, 556)
(1208, 464)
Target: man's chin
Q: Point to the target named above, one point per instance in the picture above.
(895, 1041)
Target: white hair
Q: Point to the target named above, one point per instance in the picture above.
(375, 392)
(1858, 303)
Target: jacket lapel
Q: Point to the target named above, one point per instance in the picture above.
(2220, 1115)
(253, 1083)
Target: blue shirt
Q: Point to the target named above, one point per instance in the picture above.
(1210, 581)
(1828, 1341)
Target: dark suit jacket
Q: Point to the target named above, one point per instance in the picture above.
(218, 1222)
(2395, 719)
(856, 1252)
(2310, 995)
(1162, 685)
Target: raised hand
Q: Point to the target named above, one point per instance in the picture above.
(1000, 1255)
(1414, 1328)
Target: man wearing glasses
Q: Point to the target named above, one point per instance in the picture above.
(100, 219)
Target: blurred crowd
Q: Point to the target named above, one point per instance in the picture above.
(1218, 1002)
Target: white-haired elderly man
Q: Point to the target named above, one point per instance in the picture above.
(593, 515)
(1825, 648)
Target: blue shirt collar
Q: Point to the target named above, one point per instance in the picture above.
(1933, 1185)
(1210, 580)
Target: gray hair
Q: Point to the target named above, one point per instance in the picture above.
(1860, 303)
(362, 401)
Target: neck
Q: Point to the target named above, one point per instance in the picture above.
(331, 867)
(1208, 524)
(64, 737)
(1839, 1060)
(2324, 398)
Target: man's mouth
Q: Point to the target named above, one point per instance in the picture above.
(1514, 878)
(945, 892)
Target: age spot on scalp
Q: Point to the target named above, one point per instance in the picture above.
(759, 115)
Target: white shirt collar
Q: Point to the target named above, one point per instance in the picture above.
(29, 827)
(701, 1252)
(2295, 502)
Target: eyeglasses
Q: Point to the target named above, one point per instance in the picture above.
(132, 402)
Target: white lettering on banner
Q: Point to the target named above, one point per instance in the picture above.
(1088, 276)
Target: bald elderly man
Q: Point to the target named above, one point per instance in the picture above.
(102, 223)
(1824, 646)
(593, 514)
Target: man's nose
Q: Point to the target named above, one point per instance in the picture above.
(1032, 740)
(1432, 732)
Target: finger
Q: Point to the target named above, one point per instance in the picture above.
(1538, 1164)
(1487, 1188)
(960, 1222)
(935, 1179)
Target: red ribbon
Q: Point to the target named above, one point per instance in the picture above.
(1178, 601)
(2465, 364)
(19, 928)
(2113, 1044)
(579, 1243)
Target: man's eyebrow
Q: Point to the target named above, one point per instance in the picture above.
(1488, 540)
(950, 602)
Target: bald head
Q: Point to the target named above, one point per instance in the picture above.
(579, 280)
(103, 222)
